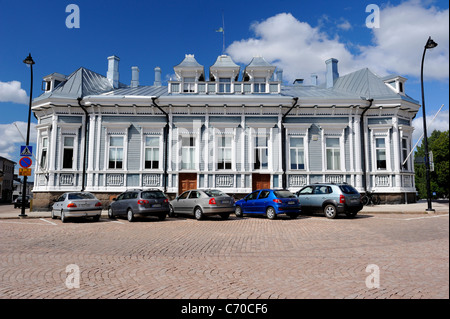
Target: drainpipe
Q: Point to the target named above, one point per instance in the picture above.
(166, 142)
(83, 178)
(363, 147)
(283, 143)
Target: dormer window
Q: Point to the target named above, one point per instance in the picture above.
(396, 83)
(189, 85)
(51, 81)
(224, 85)
(259, 85)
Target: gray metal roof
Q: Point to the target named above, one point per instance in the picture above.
(81, 83)
(189, 62)
(224, 61)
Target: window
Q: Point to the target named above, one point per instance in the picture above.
(194, 195)
(188, 152)
(175, 87)
(259, 86)
(264, 194)
(44, 151)
(224, 152)
(253, 195)
(151, 152)
(189, 85)
(297, 153)
(184, 195)
(68, 144)
(307, 190)
(115, 152)
(380, 149)
(405, 152)
(261, 153)
(333, 152)
(224, 85)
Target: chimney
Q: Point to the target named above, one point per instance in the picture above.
(113, 71)
(134, 77)
(157, 76)
(279, 75)
(314, 79)
(332, 72)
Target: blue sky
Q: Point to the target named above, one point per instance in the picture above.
(295, 35)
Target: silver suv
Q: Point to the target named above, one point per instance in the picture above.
(330, 198)
(143, 202)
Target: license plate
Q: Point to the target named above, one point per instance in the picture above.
(225, 202)
(291, 203)
(156, 205)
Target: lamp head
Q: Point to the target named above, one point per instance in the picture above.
(29, 60)
(430, 44)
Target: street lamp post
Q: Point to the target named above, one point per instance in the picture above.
(429, 45)
(29, 62)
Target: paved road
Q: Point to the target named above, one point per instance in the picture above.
(251, 257)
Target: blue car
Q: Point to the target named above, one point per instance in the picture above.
(270, 202)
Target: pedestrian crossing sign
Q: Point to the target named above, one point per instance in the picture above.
(26, 150)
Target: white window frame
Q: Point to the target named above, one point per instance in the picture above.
(224, 85)
(296, 148)
(378, 150)
(110, 147)
(220, 147)
(68, 130)
(329, 130)
(380, 131)
(116, 130)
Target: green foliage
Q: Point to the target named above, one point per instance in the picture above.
(438, 143)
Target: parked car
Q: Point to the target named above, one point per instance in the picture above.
(202, 202)
(331, 199)
(77, 204)
(142, 202)
(270, 202)
(18, 202)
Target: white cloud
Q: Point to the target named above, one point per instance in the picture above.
(399, 42)
(12, 92)
(295, 46)
(440, 123)
(345, 25)
(301, 49)
(12, 137)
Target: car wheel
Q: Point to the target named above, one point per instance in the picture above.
(238, 211)
(130, 215)
(198, 213)
(330, 211)
(162, 216)
(171, 211)
(110, 213)
(270, 212)
(63, 217)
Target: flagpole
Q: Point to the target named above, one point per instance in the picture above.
(223, 33)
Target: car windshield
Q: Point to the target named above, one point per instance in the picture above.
(214, 192)
(347, 189)
(81, 196)
(152, 195)
(284, 194)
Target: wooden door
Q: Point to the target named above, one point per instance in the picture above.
(186, 181)
(260, 181)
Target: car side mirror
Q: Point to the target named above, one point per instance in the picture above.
(114, 199)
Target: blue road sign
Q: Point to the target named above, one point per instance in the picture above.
(26, 150)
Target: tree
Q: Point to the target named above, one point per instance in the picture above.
(438, 143)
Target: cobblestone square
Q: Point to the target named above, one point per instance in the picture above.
(248, 258)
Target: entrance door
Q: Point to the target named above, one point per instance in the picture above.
(186, 181)
(260, 181)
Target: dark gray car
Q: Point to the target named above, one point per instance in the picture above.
(142, 202)
(330, 198)
(203, 202)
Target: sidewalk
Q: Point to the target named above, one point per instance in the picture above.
(440, 207)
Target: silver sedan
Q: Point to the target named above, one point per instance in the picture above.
(77, 204)
(202, 202)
